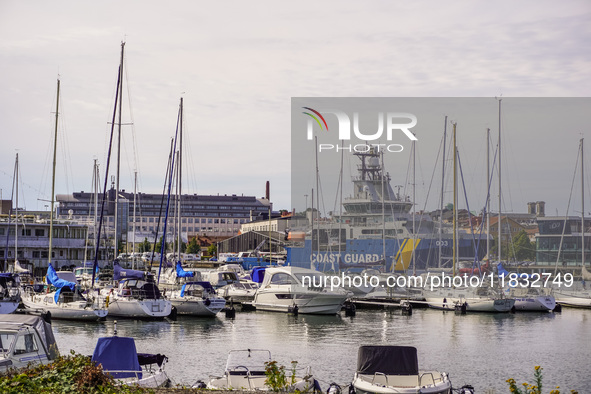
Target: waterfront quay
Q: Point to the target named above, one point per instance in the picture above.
(483, 350)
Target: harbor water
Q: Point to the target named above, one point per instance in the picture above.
(483, 350)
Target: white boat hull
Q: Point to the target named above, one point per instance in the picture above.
(574, 299)
(535, 304)
(77, 310)
(307, 302)
(196, 306)
(139, 309)
(425, 383)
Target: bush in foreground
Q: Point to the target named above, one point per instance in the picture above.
(67, 374)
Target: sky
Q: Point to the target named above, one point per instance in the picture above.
(238, 64)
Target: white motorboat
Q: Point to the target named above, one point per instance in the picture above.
(239, 292)
(480, 299)
(395, 369)
(24, 340)
(197, 299)
(137, 296)
(575, 297)
(291, 289)
(9, 292)
(531, 299)
(245, 370)
(119, 358)
(62, 298)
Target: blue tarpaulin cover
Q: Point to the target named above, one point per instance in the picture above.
(181, 273)
(117, 354)
(257, 274)
(54, 280)
(120, 273)
(503, 272)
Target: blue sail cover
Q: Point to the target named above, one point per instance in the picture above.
(504, 273)
(55, 281)
(117, 354)
(120, 273)
(181, 273)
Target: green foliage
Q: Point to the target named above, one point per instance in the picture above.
(193, 246)
(535, 388)
(158, 247)
(521, 247)
(67, 374)
(276, 378)
(212, 250)
(145, 246)
(183, 246)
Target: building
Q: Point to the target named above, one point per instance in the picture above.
(28, 240)
(559, 241)
(205, 215)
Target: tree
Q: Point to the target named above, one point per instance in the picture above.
(183, 246)
(145, 246)
(193, 247)
(521, 248)
(212, 250)
(159, 246)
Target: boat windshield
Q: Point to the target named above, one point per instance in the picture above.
(312, 279)
(83, 271)
(250, 360)
(6, 339)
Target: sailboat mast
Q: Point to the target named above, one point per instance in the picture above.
(133, 229)
(442, 186)
(414, 235)
(180, 168)
(57, 107)
(582, 208)
(118, 152)
(499, 150)
(455, 203)
(488, 194)
(16, 211)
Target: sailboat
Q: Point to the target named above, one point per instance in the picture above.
(579, 295)
(196, 298)
(474, 299)
(61, 296)
(9, 288)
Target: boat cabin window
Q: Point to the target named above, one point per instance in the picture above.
(6, 339)
(282, 279)
(25, 344)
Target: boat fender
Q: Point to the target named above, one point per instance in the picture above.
(557, 308)
(513, 309)
(173, 313)
(351, 389)
(200, 384)
(46, 316)
(293, 309)
(231, 313)
(350, 309)
(467, 389)
(332, 389)
(207, 302)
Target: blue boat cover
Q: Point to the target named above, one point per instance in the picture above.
(503, 272)
(257, 274)
(181, 273)
(54, 280)
(120, 273)
(205, 285)
(6, 275)
(117, 354)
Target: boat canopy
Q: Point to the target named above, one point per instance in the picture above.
(206, 285)
(181, 273)
(389, 360)
(118, 354)
(15, 322)
(54, 280)
(120, 273)
(258, 274)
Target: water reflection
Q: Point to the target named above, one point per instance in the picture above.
(481, 349)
